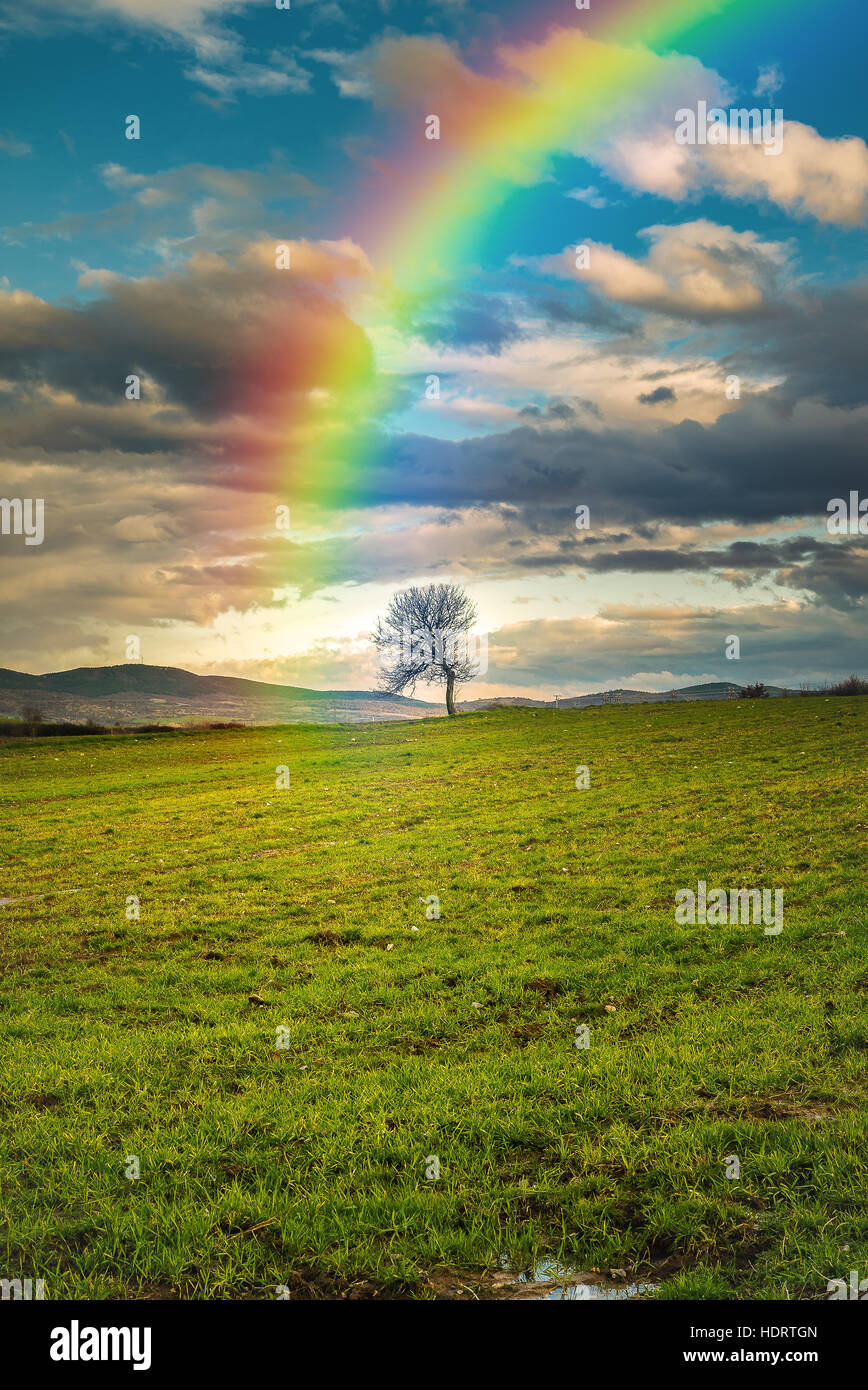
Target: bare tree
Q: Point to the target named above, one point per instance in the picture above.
(424, 637)
(853, 685)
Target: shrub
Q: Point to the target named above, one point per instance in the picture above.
(853, 685)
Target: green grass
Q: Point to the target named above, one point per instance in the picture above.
(306, 1165)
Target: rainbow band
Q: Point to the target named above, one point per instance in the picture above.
(567, 84)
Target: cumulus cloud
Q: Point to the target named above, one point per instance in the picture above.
(220, 337)
(552, 357)
(228, 347)
(812, 176)
(694, 270)
(826, 179)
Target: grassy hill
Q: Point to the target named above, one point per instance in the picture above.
(408, 1038)
(135, 693)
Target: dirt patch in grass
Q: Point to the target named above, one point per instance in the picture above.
(547, 989)
(328, 938)
(47, 1101)
(520, 1163)
(775, 1107)
(525, 1032)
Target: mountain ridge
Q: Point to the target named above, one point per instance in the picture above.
(133, 692)
(134, 677)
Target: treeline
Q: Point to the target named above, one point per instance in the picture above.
(39, 728)
(853, 685)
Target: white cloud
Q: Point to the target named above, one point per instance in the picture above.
(695, 270)
(10, 145)
(769, 81)
(826, 179)
(544, 364)
(281, 74)
(222, 66)
(187, 17)
(349, 71)
(590, 195)
(811, 176)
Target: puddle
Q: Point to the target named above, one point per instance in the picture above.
(550, 1280)
(555, 1281)
(547, 1280)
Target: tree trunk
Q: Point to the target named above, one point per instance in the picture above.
(450, 692)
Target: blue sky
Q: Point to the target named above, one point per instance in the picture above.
(259, 125)
(74, 77)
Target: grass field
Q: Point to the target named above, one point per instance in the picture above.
(305, 1165)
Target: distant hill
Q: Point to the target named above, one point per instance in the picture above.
(137, 694)
(719, 690)
(713, 690)
(135, 678)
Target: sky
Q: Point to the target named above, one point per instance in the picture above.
(321, 330)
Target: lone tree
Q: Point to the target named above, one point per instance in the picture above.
(425, 637)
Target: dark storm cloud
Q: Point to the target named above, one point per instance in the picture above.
(211, 337)
(559, 411)
(820, 347)
(221, 338)
(838, 572)
(749, 466)
(220, 343)
(657, 396)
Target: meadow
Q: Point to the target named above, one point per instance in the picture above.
(283, 1039)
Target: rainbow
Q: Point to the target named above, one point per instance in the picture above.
(422, 220)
